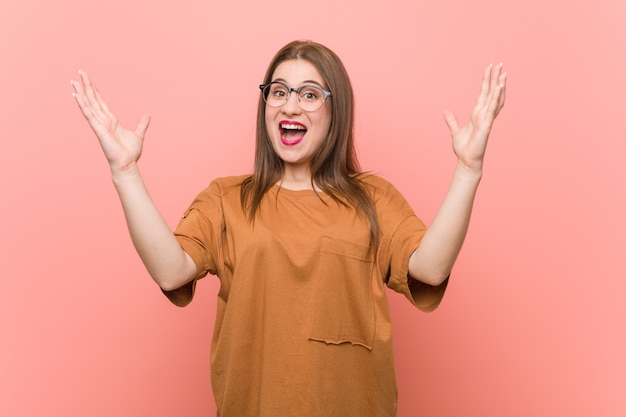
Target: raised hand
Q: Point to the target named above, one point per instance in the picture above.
(433, 260)
(470, 141)
(163, 256)
(121, 147)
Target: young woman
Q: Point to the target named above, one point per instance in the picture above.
(304, 246)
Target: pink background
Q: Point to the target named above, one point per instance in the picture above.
(533, 323)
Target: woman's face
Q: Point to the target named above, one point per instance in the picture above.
(296, 134)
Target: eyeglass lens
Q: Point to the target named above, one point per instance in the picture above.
(310, 97)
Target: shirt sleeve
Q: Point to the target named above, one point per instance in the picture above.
(199, 234)
(402, 233)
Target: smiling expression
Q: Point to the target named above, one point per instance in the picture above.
(296, 135)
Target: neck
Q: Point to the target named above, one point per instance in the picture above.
(296, 178)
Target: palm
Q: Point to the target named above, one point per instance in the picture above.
(470, 141)
(121, 147)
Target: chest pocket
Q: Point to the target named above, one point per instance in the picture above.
(342, 304)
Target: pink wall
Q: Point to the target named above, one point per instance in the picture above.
(534, 320)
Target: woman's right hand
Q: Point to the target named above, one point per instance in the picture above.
(121, 147)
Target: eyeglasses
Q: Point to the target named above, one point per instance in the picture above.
(310, 97)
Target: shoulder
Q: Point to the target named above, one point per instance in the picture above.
(218, 190)
(379, 187)
(225, 185)
(386, 197)
(229, 182)
(375, 182)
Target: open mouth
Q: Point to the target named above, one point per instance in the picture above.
(291, 133)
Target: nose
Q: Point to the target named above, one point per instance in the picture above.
(292, 106)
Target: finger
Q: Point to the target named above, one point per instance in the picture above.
(499, 96)
(495, 82)
(86, 85)
(142, 125)
(451, 121)
(502, 98)
(98, 106)
(495, 104)
(102, 103)
(94, 121)
(90, 92)
(484, 87)
(495, 76)
(94, 116)
(80, 100)
(77, 86)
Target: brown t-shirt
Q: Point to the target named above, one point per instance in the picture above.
(302, 326)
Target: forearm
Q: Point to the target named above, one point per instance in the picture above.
(154, 241)
(432, 261)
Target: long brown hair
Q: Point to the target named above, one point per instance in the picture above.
(334, 168)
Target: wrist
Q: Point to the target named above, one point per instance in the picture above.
(122, 175)
(469, 173)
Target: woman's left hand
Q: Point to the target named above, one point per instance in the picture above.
(470, 141)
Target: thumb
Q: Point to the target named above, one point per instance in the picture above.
(142, 125)
(451, 121)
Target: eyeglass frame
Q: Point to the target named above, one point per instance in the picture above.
(325, 93)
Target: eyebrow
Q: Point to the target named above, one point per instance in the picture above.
(305, 82)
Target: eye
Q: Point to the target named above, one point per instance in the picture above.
(310, 94)
(278, 91)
